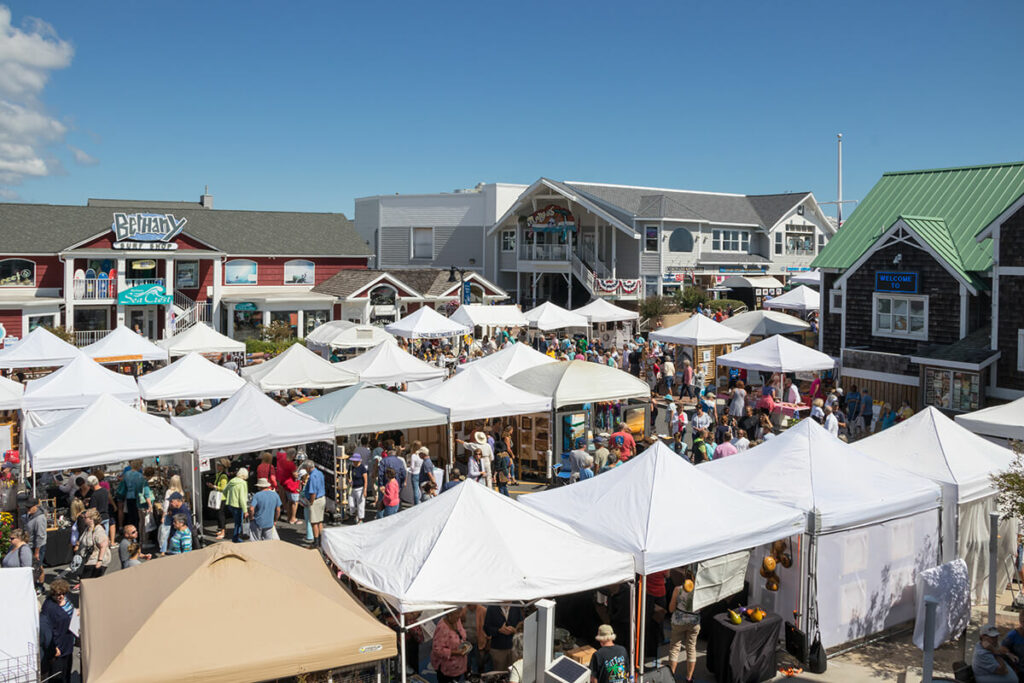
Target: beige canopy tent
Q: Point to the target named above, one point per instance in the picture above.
(206, 603)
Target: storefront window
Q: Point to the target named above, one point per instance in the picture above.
(290, 318)
(186, 274)
(508, 240)
(17, 272)
(49, 320)
(799, 240)
(952, 390)
(87, 319)
(730, 240)
(247, 324)
(313, 319)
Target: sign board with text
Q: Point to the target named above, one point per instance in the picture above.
(146, 231)
(905, 283)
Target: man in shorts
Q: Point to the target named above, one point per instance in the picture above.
(316, 490)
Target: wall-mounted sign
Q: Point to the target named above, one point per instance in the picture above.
(552, 218)
(142, 231)
(144, 295)
(245, 306)
(896, 282)
(467, 293)
(143, 264)
(742, 269)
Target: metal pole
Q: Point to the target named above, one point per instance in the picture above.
(401, 622)
(993, 553)
(632, 627)
(839, 203)
(642, 627)
(930, 603)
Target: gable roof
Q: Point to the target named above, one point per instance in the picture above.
(427, 282)
(50, 228)
(966, 199)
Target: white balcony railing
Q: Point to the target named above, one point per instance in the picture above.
(86, 337)
(135, 282)
(544, 252)
(93, 288)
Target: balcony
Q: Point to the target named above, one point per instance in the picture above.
(544, 252)
(103, 289)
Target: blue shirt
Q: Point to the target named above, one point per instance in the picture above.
(133, 484)
(315, 484)
(1014, 642)
(426, 469)
(395, 463)
(867, 406)
(263, 505)
(853, 405)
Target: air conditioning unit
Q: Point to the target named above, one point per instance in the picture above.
(565, 670)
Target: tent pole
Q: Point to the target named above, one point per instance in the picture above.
(401, 622)
(632, 626)
(641, 626)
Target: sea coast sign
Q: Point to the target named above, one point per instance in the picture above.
(146, 231)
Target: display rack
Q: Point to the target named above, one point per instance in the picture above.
(534, 443)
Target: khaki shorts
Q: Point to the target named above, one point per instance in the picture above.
(680, 636)
(316, 511)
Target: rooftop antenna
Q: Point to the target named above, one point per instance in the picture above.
(839, 184)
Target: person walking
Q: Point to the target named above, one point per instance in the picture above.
(34, 524)
(236, 499)
(449, 649)
(392, 496)
(19, 554)
(173, 487)
(738, 402)
(56, 641)
(263, 511)
(132, 485)
(416, 452)
(95, 545)
(217, 487)
(502, 468)
(316, 492)
(685, 628)
(608, 663)
(357, 494)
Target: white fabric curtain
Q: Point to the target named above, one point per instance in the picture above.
(973, 544)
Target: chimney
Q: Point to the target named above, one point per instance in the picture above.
(206, 200)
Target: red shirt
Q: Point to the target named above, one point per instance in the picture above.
(656, 584)
(285, 469)
(628, 445)
(266, 471)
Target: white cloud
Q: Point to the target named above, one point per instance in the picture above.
(82, 157)
(28, 54)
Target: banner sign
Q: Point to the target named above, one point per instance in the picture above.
(144, 295)
(905, 283)
(245, 306)
(466, 293)
(146, 231)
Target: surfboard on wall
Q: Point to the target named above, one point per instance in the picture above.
(102, 282)
(90, 284)
(79, 283)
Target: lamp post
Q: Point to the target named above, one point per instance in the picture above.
(452, 270)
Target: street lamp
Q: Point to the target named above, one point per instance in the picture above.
(452, 270)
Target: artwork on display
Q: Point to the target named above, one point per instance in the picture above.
(706, 355)
(635, 419)
(7, 437)
(186, 274)
(960, 391)
(16, 272)
(299, 272)
(552, 218)
(240, 272)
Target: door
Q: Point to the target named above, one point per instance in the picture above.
(142, 319)
(587, 251)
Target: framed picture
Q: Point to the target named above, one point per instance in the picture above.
(299, 272)
(706, 355)
(186, 274)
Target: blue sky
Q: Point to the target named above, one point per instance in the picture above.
(307, 105)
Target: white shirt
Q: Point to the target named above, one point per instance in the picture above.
(792, 394)
(832, 424)
(701, 421)
(415, 463)
(741, 443)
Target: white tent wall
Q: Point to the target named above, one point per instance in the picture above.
(19, 627)
(973, 523)
(790, 597)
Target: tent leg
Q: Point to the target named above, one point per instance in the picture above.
(641, 627)
(632, 627)
(401, 643)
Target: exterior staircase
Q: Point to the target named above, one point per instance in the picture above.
(188, 312)
(598, 281)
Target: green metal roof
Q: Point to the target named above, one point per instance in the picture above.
(936, 233)
(964, 199)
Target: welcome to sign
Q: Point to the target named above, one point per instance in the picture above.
(896, 282)
(141, 231)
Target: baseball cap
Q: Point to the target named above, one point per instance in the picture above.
(176, 496)
(991, 631)
(356, 457)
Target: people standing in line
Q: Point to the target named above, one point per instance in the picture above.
(357, 492)
(264, 509)
(95, 545)
(500, 624)
(236, 499)
(449, 648)
(56, 641)
(316, 492)
(608, 663)
(219, 484)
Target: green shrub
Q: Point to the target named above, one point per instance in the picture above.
(269, 346)
(687, 298)
(654, 307)
(722, 304)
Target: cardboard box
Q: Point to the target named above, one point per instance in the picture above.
(581, 654)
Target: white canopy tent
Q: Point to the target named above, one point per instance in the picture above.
(510, 360)
(344, 334)
(778, 354)
(190, 378)
(104, 432)
(413, 569)
(11, 394)
(476, 394)
(578, 381)
(19, 629)
(365, 407)
(750, 282)
(39, 349)
(250, 421)
(426, 323)
(388, 364)
(549, 316)
(872, 527)
(201, 338)
(798, 299)
(602, 311)
(763, 323)
(298, 368)
(812, 278)
(123, 345)
(78, 384)
(480, 315)
(642, 501)
(933, 446)
(699, 330)
(1002, 422)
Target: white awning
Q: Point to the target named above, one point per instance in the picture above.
(765, 323)
(190, 378)
(751, 281)
(477, 395)
(39, 349)
(364, 408)
(699, 330)
(11, 393)
(201, 338)
(77, 385)
(549, 316)
(1004, 421)
(798, 299)
(298, 368)
(388, 364)
(122, 345)
(426, 323)
(579, 381)
(489, 316)
(274, 295)
(344, 334)
(601, 311)
(510, 360)
(777, 354)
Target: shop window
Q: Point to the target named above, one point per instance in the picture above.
(650, 285)
(900, 316)
(299, 272)
(651, 238)
(681, 240)
(186, 274)
(835, 302)
(90, 319)
(508, 240)
(951, 390)
(289, 318)
(821, 241)
(730, 240)
(423, 243)
(799, 240)
(240, 271)
(49, 320)
(247, 323)
(17, 272)
(383, 295)
(314, 319)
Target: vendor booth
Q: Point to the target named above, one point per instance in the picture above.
(121, 345)
(549, 316)
(155, 621)
(77, 385)
(870, 529)
(11, 394)
(39, 349)
(510, 360)
(778, 354)
(1000, 424)
(931, 445)
(802, 299)
(701, 340)
(761, 323)
(426, 323)
(587, 397)
(201, 338)
(190, 378)
(811, 278)
(389, 365)
(297, 368)
(489, 318)
(344, 336)
(19, 628)
(610, 324)
(751, 289)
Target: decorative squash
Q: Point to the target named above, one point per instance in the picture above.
(786, 560)
(688, 586)
(769, 563)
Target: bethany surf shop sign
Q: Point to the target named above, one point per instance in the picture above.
(146, 231)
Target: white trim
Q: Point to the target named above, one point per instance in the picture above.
(786, 215)
(25, 315)
(889, 237)
(832, 308)
(875, 332)
(1004, 393)
(741, 250)
(590, 206)
(417, 295)
(996, 222)
(1011, 270)
(905, 380)
(412, 243)
(660, 189)
(657, 239)
(754, 226)
(924, 361)
(109, 231)
(35, 278)
(997, 271)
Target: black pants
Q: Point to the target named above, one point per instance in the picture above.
(58, 669)
(221, 517)
(441, 678)
(131, 512)
(91, 571)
